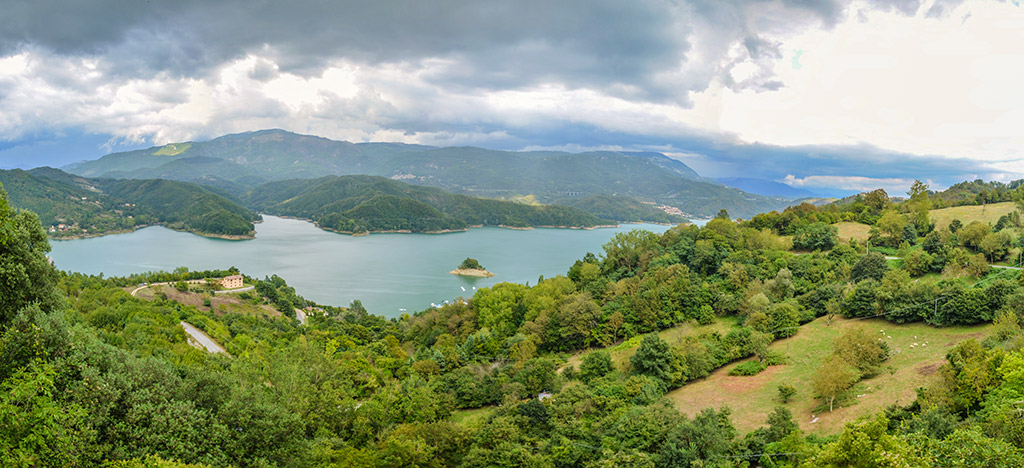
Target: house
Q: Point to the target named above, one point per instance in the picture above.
(231, 282)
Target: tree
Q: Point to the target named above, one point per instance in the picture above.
(873, 265)
(832, 378)
(918, 262)
(595, 364)
(758, 343)
(955, 225)
(977, 266)
(655, 358)
(891, 226)
(863, 351)
(26, 275)
(35, 429)
(974, 233)
(877, 199)
(816, 236)
(470, 264)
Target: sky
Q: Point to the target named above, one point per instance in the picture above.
(830, 94)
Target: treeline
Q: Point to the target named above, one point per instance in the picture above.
(367, 203)
(620, 209)
(97, 206)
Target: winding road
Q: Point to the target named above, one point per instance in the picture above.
(201, 340)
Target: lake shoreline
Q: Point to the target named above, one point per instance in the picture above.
(386, 273)
(90, 235)
(479, 273)
(448, 231)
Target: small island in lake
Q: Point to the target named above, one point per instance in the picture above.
(471, 267)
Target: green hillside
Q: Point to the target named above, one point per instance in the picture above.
(94, 375)
(256, 157)
(621, 209)
(70, 206)
(367, 203)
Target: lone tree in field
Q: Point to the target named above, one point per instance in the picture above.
(470, 264)
(833, 378)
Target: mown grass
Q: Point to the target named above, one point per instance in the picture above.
(622, 351)
(753, 398)
(471, 416)
(989, 213)
(852, 230)
(172, 149)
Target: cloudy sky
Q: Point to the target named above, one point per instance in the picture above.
(815, 93)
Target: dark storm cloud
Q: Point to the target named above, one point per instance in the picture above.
(638, 49)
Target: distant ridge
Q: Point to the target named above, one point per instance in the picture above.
(241, 161)
(768, 188)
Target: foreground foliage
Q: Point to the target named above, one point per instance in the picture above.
(92, 376)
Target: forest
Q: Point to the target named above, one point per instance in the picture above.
(92, 376)
(79, 207)
(358, 204)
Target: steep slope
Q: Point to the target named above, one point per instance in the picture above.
(367, 203)
(248, 159)
(70, 205)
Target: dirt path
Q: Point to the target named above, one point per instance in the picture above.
(140, 288)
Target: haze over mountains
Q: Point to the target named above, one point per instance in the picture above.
(239, 162)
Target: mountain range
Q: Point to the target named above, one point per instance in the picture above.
(238, 163)
(75, 206)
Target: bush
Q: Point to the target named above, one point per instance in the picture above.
(786, 392)
(872, 265)
(815, 236)
(774, 358)
(594, 365)
(748, 368)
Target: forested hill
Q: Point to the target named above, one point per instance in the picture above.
(366, 203)
(91, 375)
(70, 205)
(247, 159)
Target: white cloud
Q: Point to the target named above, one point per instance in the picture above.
(892, 186)
(912, 84)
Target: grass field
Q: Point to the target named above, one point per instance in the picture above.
(966, 214)
(471, 416)
(219, 303)
(852, 230)
(624, 350)
(753, 398)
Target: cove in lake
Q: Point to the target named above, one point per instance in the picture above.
(387, 272)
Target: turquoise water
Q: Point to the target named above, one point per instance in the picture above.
(387, 272)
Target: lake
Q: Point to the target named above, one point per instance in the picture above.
(387, 272)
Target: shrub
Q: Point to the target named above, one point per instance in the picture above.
(786, 392)
(748, 368)
(774, 358)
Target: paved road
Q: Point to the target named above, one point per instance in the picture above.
(203, 339)
(1004, 266)
(301, 316)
